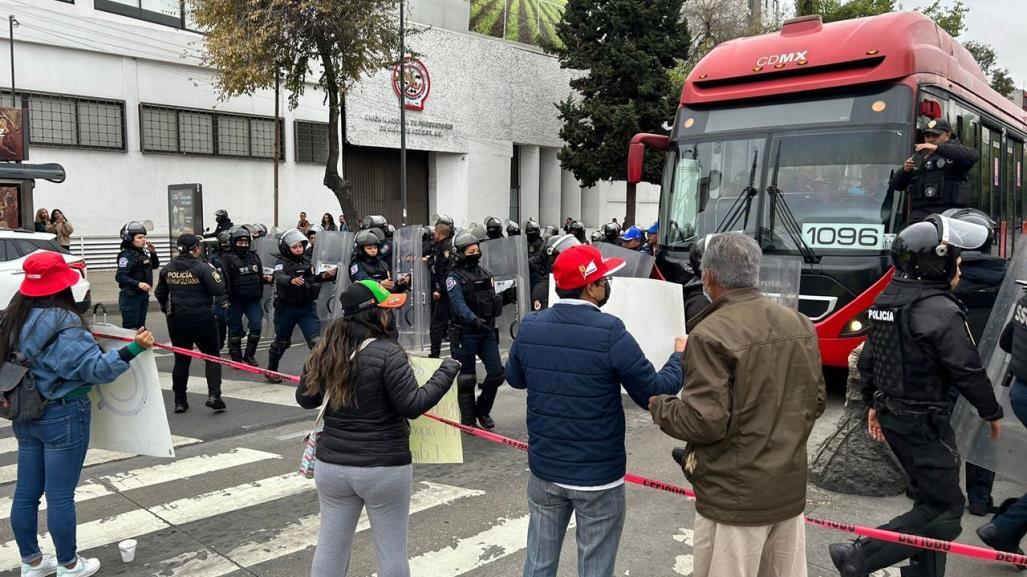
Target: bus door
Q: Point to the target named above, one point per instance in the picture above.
(991, 175)
(1014, 188)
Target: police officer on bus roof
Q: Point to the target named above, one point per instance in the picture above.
(439, 260)
(693, 292)
(610, 233)
(216, 260)
(296, 292)
(136, 262)
(917, 349)
(935, 177)
(369, 265)
(554, 246)
(224, 223)
(474, 305)
(1007, 528)
(578, 230)
(246, 280)
(493, 228)
(187, 290)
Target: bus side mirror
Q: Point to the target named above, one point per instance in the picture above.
(636, 153)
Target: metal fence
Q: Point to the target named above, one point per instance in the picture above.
(527, 21)
(101, 252)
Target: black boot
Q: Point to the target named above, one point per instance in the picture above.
(274, 354)
(465, 398)
(848, 558)
(235, 348)
(181, 404)
(483, 408)
(250, 358)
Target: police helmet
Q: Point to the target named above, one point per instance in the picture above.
(259, 230)
(478, 231)
(550, 231)
(531, 227)
(929, 250)
(224, 240)
(557, 244)
(378, 233)
(130, 230)
(461, 241)
(513, 229)
(577, 229)
(977, 217)
(366, 238)
(389, 231)
(221, 215)
(289, 238)
(374, 221)
(252, 229)
(597, 236)
(427, 232)
(443, 219)
(239, 233)
(314, 229)
(611, 231)
(493, 227)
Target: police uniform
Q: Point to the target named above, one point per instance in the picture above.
(245, 275)
(535, 245)
(294, 305)
(134, 267)
(475, 307)
(187, 291)
(939, 181)
(368, 268)
(918, 348)
(221, 313)
(439, 263)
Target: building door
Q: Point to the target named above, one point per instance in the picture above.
(374, 173)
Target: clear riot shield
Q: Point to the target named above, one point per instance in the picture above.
(1004, 455)
(507, 260)
(267, 249)
(414, 318)
(332, 250)
(636, 264)
(780, 277)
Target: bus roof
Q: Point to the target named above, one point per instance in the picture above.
(809, 55)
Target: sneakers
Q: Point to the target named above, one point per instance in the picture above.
(48, 566)
(216, 403)
(83, 568)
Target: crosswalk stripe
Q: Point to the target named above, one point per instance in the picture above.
(298, 536)
(284, 395)
(9, 473)
(8, 445)
(502, 539)
(140, 521)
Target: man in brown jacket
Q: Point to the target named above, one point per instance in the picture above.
(753, 387)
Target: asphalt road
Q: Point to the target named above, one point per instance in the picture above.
(232, 504)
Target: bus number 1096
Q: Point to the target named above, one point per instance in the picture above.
(844, 236)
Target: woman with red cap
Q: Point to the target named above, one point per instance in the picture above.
(42, 323)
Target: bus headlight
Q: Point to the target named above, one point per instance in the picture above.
(857, 326)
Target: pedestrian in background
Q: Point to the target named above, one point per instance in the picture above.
(328, 223)
(303, 223)
(343, 227)
(42, 219)
(60, 226)
(43, 323)
(363, 454)
(573, 359)
(752, 391)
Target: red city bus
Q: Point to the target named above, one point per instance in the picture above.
(792, 137)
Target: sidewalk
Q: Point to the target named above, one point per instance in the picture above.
(104, 292)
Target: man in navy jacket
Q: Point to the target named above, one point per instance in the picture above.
(573, 360)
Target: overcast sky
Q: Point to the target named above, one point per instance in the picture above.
(999, 23)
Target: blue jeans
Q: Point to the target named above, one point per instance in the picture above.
(254, 316)
(286, 319)
(600, 519)
(1013, 522)
(51, 452)
(133, 310)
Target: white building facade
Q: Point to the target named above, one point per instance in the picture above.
(117, 95)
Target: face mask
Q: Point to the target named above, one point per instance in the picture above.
(472, 259)
(706, 293)
(606, 297)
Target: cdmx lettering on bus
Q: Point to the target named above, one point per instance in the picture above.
(781, 58)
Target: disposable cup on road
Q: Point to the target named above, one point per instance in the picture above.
(128, 550)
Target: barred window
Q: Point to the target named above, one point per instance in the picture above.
(100, 124)
(52, 120)
(71, 121)
(311, 142)
(187, 131)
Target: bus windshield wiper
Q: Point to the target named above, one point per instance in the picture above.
(791, 225)
(743, 203)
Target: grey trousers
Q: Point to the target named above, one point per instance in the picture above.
(343, 493)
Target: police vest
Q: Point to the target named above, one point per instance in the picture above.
(479, 290)
(936, 184)
(244, 275)
(903, 371)
(296, 296)
(376, 269)
(1018, 361)
(135, 264)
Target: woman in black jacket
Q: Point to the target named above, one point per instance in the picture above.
(363, 454)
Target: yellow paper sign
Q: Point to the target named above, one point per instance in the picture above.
(431, 442)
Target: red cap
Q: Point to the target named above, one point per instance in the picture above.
(46, 273)
(581, 265)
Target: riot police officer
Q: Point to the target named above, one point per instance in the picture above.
(578, 230)
(474, 305)
(513, 229)
(312, 233)
(439, 260)
(533, 232)
(136, 263)
(493, 228)
(296, 292)
(369, 265)
(224, 224)
(610, 232)
(935, 177)
(221, 313)
(245, 275)
(919, 347)
(187, 290)
(554, 246)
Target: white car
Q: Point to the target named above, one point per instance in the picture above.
(17, 245)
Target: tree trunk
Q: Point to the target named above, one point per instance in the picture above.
(849, 461)
(629, 205)
(343, 189)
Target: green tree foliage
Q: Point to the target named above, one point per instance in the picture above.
(336, 42)
(950, 18)
(986, 58)
(626, 48)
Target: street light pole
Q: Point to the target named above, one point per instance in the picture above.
(12, 22)
(402, 115)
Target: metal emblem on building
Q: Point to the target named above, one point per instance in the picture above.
(417, 83)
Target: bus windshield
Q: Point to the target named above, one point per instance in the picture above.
(835, 181)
